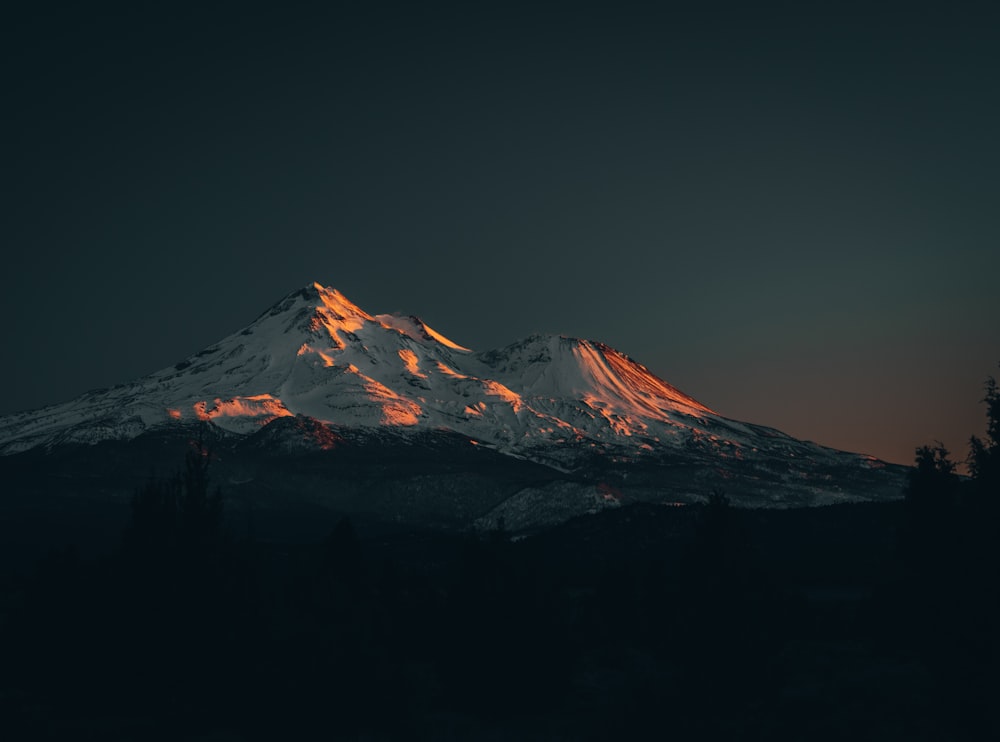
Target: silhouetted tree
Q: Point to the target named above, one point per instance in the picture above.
(933, 478)
(949, 597)
(984, 453)
(931, 498)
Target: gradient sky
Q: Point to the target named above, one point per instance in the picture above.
(788, 212)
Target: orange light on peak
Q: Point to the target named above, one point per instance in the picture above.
(396, 410)
(175, 414)
(496, 389)
(408, 357)
(339, 304)
(417, 329)
(445, 341)
(262, 407)
(319, 434)
(399, 415)
(449, 371)
(306, 349)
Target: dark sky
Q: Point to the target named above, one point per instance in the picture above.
(789, 212)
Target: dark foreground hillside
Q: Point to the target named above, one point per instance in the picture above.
(647, 622)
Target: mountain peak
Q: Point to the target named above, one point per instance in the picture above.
(335, 311)
(333, 300)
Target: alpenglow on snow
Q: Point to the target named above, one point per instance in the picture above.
(555, 400)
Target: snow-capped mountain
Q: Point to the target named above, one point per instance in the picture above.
(567, 403)
(315, 353)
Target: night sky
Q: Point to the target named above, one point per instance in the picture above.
(790, 214)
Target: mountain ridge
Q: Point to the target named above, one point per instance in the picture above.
(567, 403)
